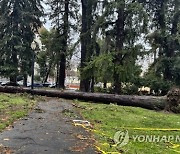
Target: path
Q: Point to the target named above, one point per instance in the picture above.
(48, 130)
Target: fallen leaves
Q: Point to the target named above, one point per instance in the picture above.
(81, 137)
(5, 150)
(80, 148)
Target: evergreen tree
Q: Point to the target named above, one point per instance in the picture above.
(63, 13)
(19, 20)
(47, 57)
(164, 37)
(122, 23)
(87, 40)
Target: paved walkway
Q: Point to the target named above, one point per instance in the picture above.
(47, 130)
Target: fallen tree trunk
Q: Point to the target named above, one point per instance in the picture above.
(173, 100)
(148, 102)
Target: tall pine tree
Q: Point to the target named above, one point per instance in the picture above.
(19, 20)
(87, 42)
(62, 14)
(164, 37)
(123, 23)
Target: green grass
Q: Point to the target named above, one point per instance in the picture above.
(108, 119)
(13, 107)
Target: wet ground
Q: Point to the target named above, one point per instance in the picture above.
(48, 129)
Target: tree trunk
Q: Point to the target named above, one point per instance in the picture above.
(62, 68)
(105, 85)
(92, 84)
(83, 82)
(170, 48)
(62, 72)
(13, 78)
(161, 20)
(47, 73)
(119, 47)
(25, 80)
(85, 85)
(85, 42)
(57, 75)
(173, 100)
(148, 102)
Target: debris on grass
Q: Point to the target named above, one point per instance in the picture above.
(82, 122)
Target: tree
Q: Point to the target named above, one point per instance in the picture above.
(20, 19)
(62, 13)
(87, 43)
(164, 37)
(129, 26)
(123, 23)
(47, 57)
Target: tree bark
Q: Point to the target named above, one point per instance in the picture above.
(13, 78)
(62, 72)
(170, 48)
(25, 80)
(83, 82)
(148, 102)
(57, 76)
(105, 85)
(47, 73)
(85, 42)
(92, 84)
(119, 47)
(62, 68)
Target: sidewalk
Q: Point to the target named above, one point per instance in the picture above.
(47, 130)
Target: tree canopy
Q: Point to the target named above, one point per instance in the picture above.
(19, 21)
(113, 35)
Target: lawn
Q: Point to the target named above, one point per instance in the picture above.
(13, 107)
(150, 132)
